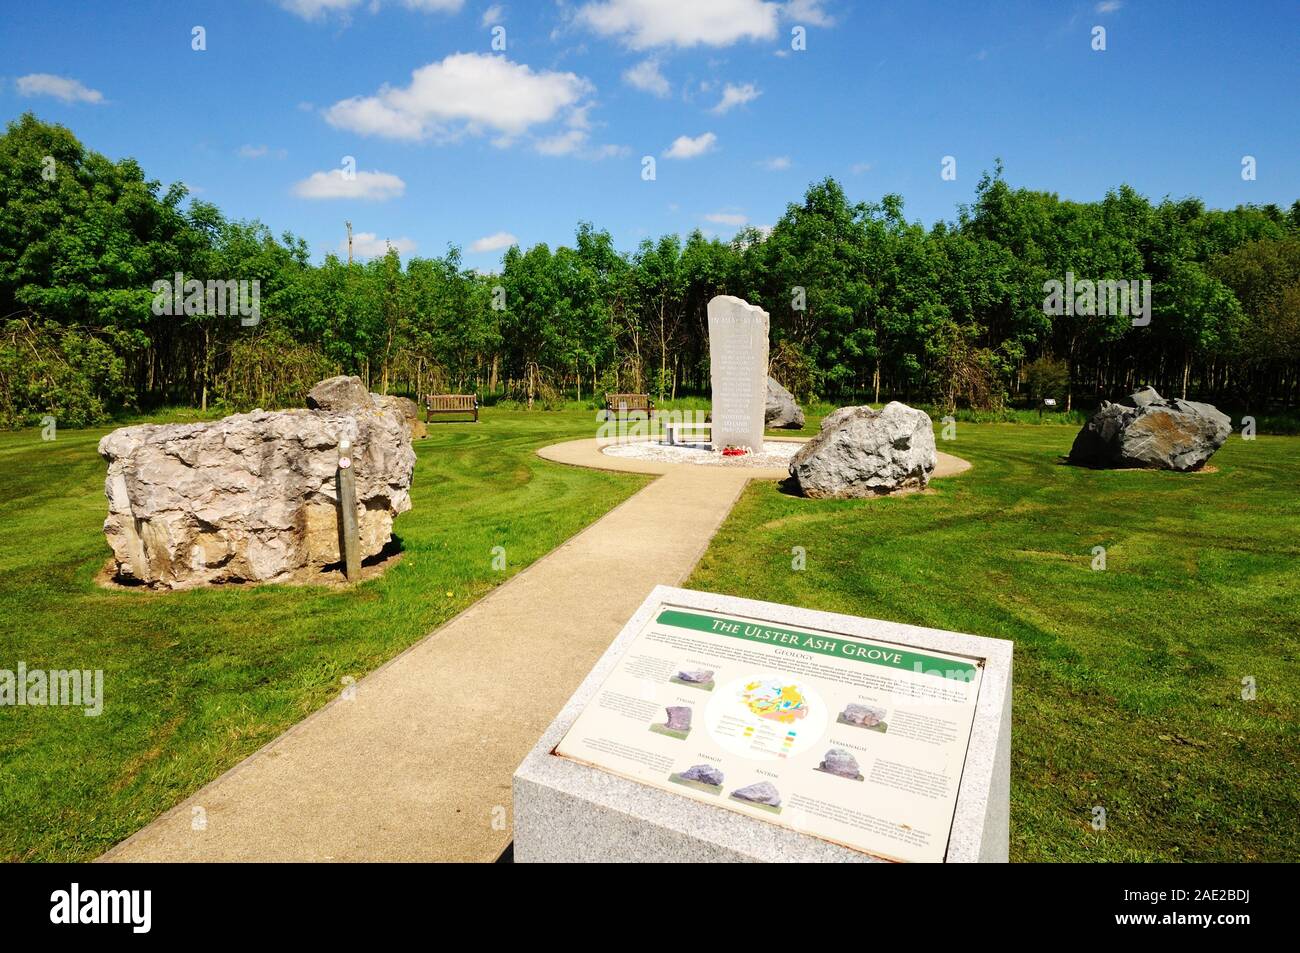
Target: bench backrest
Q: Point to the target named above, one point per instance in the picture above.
(451, 402)
(628, 402)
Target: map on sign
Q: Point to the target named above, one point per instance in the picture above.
(861, 743)
(775, 700)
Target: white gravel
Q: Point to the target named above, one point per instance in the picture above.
(775, 454)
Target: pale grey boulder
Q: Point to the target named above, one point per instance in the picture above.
(251, 497)
(1147, 430)
(782, 412)
(697, 676)
(408, 410)
(345, 395)
(863, 715)
(863, 452)
(840, 762)
(764, 792)
(340, 395)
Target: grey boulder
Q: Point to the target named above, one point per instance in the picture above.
(863, 452)
(340, 395)
(408, 410)
(838, 761)
(863, 715)
(697, 676)
(1147, 430)
(764, 792)
(249, 498)
(703, 773)
(781, 412)
(679, 718)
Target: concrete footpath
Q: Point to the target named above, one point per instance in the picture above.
(418, 765)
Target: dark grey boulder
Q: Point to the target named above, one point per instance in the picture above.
(781, 412)
(703, 773)
(764, 792)
(864, 452)
(1147, 430)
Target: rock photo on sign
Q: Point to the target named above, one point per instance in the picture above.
(738, 372)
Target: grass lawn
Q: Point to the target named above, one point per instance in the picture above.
(196, 681)
(1128, 681)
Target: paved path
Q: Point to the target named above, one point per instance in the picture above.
(418, 765)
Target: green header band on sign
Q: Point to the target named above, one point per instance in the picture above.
(836, 646)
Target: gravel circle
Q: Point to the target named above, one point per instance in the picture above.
(776, 454)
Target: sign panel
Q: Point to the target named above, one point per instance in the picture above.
(854, 741)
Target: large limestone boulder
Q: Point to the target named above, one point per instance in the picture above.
(409, 411)
(1147, 430)
(252, 497)
(340, 395)
(344, 395)
(782, 412)
(864, 452)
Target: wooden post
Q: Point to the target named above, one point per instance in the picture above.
(348, 533)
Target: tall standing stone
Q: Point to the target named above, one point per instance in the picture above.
(738, 371)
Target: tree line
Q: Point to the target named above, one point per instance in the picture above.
(864, 304)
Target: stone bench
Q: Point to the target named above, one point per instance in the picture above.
(673, 429)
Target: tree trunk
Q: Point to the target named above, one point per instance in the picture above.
(203, 401)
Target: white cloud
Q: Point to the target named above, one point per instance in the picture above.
(248, 151)
(734, 219)
(366, 186)
(734, 95)
(643, 24)
(562, 143)
(314, 9)
(465, 92)
(1108, 6)
(684, 147)
(60, 87)
(369, 245)
(576, 140)
(860, 167)
(434, 6)
(776, 163)
(610, 151)
(493, 15)
(808, 11)
(494, 242)
(646, 77)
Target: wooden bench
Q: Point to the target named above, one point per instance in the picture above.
(451, 404)
(624, 404)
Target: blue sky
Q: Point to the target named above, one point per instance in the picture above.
(457, 143)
